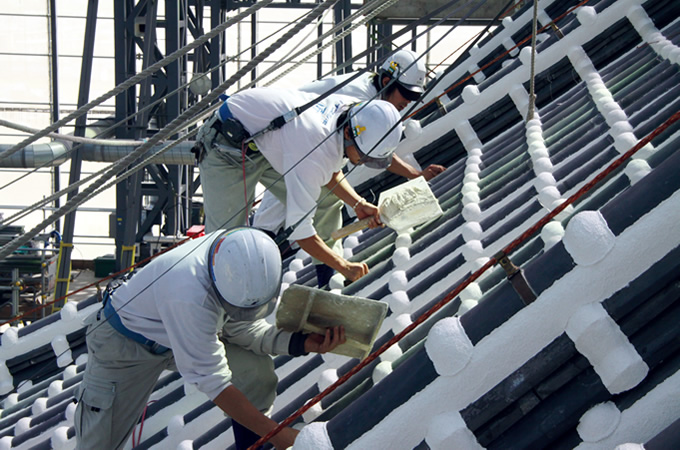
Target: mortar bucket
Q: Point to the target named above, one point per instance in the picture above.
(313, 310)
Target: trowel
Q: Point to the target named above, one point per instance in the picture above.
(313, 310)
(408, 205)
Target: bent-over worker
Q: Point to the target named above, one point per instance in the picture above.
(168, 316)
(399, 81)
(309, 152)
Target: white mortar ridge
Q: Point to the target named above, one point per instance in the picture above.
(546, 59)
(588, 238)
(645, 27)
(448, 346)
(613, 114)
(598, 338)
(313, 437)
(382, 369)
(471, 230)
(493, 360)
(449, 431)
(312, 413)
(599, 422)
(646, 418)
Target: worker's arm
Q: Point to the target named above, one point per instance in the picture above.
(401, 167)
(345, 192)
(316, 248)
(238, 407)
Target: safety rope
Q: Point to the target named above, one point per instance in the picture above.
(495, 60)
(492, 261)
(75, 185)
(168, 130)
(532, 94)
(342, 35)
(68, 137)
(137, 78)
(136, 440)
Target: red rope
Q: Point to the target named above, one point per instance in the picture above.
(141, 426)
(523, 237)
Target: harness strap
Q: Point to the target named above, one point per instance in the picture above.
(113, 318)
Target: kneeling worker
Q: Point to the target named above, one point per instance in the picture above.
(169, 316)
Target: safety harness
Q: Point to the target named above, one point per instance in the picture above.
(111, 315)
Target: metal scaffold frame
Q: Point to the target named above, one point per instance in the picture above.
(164, 193)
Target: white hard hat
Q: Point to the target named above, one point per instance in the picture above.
(408, 72)
(245, 267)
(370, 122)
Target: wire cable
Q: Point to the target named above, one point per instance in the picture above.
(99, 190)
(532, 94)
(139, 77)
(75, 185)
(168, 130)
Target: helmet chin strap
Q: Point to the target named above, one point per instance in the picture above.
(347, 144)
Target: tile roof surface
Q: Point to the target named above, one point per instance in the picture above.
(590, 361)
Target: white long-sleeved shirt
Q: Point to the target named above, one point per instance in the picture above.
(362, 87)
(307, 150)
(171, 302)
(271, 213)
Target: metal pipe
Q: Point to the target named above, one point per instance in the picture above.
(37, 155)
(56, 153)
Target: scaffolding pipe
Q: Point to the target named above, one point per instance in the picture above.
(56, 153)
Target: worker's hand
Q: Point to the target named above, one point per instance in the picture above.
(320, 343)
(285, 438)
(432, 171)
(365, 209)
(354, 271)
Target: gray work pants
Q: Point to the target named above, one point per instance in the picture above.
(120, 376)
(224, 197)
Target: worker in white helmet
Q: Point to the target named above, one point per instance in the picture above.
(198, 309)
(309, 152)
(400, 80)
